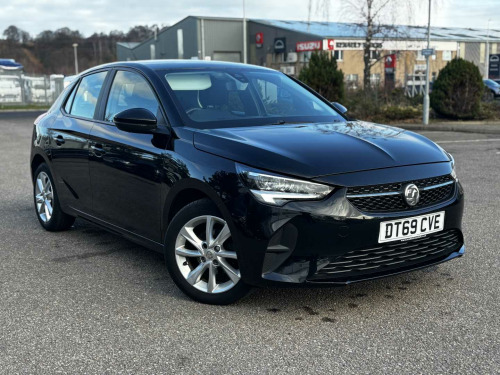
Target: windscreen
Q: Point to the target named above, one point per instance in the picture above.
(230, 97)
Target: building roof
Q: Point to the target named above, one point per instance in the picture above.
(128, 44)
(355, 31)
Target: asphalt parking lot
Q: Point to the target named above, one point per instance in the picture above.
(86, 301)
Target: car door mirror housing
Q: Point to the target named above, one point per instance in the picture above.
(339, 107)
(136, 120)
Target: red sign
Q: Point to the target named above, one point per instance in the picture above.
(259, 38)
(329, 44)
(390, 61)
(309, 46)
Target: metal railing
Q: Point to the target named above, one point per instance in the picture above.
(22, 89)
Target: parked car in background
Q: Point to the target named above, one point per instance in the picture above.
(497, 81)
(492, 88)
(242, 176)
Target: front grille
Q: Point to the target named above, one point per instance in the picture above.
(390, 258)
(389, 197)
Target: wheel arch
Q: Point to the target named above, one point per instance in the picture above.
(36, 160)
(186, 192)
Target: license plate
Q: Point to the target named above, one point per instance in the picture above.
(411, 227)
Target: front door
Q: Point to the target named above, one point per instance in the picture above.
(125, 168)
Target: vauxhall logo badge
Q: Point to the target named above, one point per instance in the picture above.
(412, 194)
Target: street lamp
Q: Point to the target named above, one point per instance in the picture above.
(487, 67)
(425, 118)
(75, 45)
(244, 34)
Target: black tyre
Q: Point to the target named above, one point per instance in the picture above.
(201, 255)
(47, 207)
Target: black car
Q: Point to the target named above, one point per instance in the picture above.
(242, 176)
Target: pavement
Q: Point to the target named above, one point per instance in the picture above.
(88, 302)
(477, 127)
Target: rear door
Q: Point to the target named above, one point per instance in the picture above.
(126, 168)
(69, 142)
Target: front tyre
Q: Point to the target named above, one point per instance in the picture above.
(201, 255)
(48, 209)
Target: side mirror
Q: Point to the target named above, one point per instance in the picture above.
(339, 107)
(135, 120)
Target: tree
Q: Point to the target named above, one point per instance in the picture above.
(14, 34)
(376, 21)
(141, 33)
(323, 75)
(457, 91)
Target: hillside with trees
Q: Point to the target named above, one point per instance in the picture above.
(51, 52)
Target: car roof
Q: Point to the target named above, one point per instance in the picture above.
(178, 64)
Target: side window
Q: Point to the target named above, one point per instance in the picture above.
(87, 94)
(130, 90)
(69, 102)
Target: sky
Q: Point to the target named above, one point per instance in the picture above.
(89, 16)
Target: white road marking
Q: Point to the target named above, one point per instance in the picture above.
(471, 140)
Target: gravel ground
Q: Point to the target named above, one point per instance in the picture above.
(86, 301)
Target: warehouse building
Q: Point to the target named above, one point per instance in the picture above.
(287, 46)
(191, 38)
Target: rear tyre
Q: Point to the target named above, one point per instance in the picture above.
(47, 207)
(201, 255)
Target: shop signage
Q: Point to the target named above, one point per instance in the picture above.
(494, 69)
(356, 45)
(308, 46)
(428, 52)
(279, 45)
(329, 44)
(259, 39)
(390, 61)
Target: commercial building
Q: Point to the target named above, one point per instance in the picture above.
(287, 46)
(191, 38)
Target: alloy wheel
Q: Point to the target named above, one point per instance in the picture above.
(205, 255)
(44, 197)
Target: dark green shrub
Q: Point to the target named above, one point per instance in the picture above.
(457, 91)
(323, 76)
(380, 105)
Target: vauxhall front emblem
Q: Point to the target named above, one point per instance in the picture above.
(412, 194)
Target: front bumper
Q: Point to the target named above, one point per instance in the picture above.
(297, 243)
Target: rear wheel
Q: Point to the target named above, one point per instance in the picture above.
(48, 209)
(201, 255)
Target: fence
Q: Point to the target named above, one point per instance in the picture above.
(415, 85)
(21, 89)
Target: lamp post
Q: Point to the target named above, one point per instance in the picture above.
(244, 34)
(487, 61)
(75, 45)
(425, 118)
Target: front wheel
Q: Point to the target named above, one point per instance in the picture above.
(201, 255)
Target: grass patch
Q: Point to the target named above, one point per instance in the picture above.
(21, 107)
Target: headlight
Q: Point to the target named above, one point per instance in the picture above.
(453, 172)
(277, 190)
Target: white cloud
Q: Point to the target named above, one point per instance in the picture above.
(91, 16)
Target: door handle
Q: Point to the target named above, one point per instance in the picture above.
(59, 140)
(97, 149)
